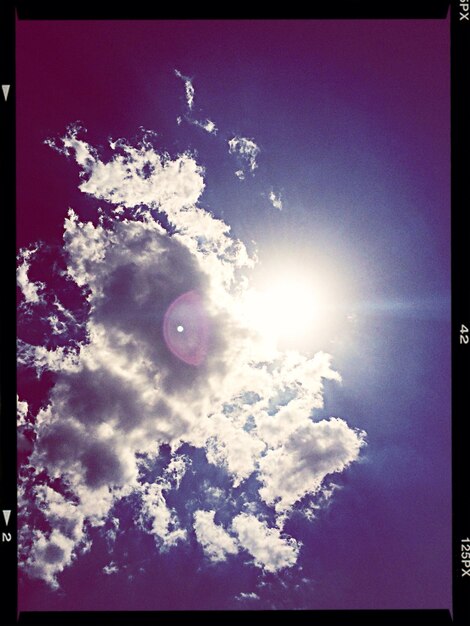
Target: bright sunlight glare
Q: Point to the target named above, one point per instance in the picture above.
(289, 307)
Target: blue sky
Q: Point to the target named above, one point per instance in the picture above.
(270, 193)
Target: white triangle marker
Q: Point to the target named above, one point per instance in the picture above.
(5, 89)
(6, 515)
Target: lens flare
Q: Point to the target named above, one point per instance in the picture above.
(186, 328)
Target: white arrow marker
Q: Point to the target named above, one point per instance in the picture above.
(5, 89)
(6, 515)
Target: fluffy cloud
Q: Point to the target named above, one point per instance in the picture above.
(297, 389)
(135, 175)
(49, 556)
(55, 549)
(214, 539)
(91, 459)
(163, 520)
(309, 454)
(157, 297)
(268, 547)
(65, 515)
(234, 448)
(155, 515)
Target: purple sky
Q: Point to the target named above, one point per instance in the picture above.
(328, 151)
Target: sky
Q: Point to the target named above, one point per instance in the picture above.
(233, 315)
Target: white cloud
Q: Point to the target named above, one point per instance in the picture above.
(156, 516)
(89, 456)
(49, 556)
(188, 85)
(21, 410)
(57, 326)
(60, 359)
(164, 521)
(207, 125)
(214, 539)
(135, 175)
(63, 514)
(248, 596)
(177, 469)
(297, 389)
(124, 392)
(247, 152)
(275, 200)
(111, 533)
(313, 509)
(174, 186)
(31, 291)
(215, 497)
(53, 550)
(269, 548)
(111, 568)
(300, 465)
(25, 430)
(234, 448)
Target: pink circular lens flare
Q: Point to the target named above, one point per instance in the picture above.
(186, 328)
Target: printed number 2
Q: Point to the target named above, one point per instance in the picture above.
(463, 334)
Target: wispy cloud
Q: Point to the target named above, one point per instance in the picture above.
(189, 89)
(32, 292)
(111, 568)
(250, 596)
(246, 152)
(207, 125)
(275, 200)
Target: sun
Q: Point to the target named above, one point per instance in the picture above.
(290, 307)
